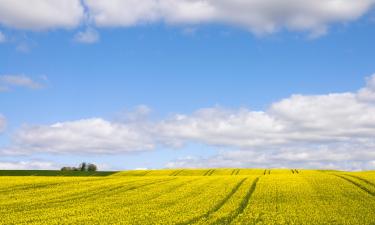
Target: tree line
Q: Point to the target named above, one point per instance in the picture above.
(82, 167)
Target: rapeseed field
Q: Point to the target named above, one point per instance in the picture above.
(182, 196)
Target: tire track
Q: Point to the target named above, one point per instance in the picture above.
(108, 191)
(361, 179)
(147, 172)
(207, 172)
(50, 203)
(217, 206)
(356, 184)
(240, 209)
(211, 172)
(175, 173)
(32, 187)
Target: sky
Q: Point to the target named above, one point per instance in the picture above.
(187, 84)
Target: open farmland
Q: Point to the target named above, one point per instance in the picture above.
(207, 196)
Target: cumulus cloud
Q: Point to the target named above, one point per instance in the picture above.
(88, 36)
(335, 130)
(331, 131)
(258, 16)
(7, 82)
(41, 14)
(27, 165)
(95, 135)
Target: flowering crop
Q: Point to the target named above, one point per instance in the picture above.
(206, 196)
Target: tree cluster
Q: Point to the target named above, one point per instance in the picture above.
(82, 167)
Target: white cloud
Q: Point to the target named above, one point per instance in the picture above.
(258, 16)
(41, 14)
(88, 36)
(2, 37)
(339, 117)
(96, 136)
(28, 165)
(7, 82)
(333, 131)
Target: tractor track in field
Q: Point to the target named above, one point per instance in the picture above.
(295, 171)
(363, 188)
(168, 191)
(206, 173)
(217, 206)
(233, 172)
(175, 173)
(147, 172)
(105, 189)
(210, 173)
(26, 187)
(108, 191)
(240, 209)
(361, 179)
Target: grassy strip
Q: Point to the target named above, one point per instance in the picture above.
(54, 173)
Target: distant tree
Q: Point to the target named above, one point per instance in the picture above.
(92, 167)
(66, 168)
(83, 166)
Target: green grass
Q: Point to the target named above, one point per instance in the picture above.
(53, 173)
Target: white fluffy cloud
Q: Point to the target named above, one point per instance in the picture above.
(258, 16)
(334, 131)
(41, 14)
(94, 135)
(28, 165)
(7, 82)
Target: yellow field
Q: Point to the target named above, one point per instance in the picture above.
(211, 196)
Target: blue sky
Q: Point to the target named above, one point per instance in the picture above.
(143, 76)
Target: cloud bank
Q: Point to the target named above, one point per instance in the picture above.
(334, 130)
(28, 165)
(41, 14)
(257, 16)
